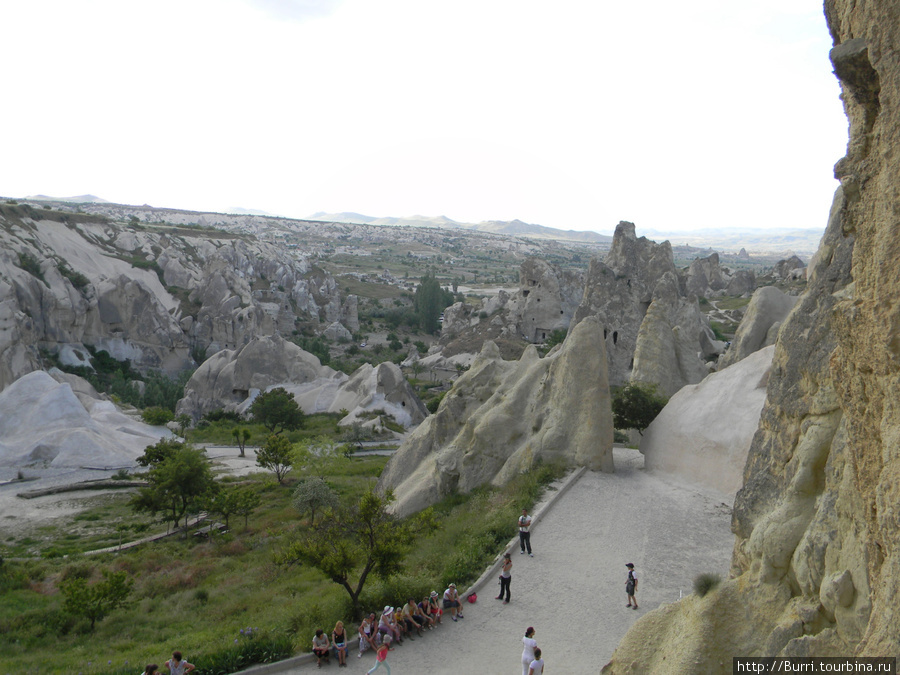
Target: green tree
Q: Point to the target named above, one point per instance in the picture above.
(317, 456)
(248, 501)
(557, 337)
(176, 484)
(226, 502)
(160, 451)
(636, 405)
(314, 494)
(96, 601)
(357, 540)
(276, 455)
(356, 434)
(428, 303)
(277, 411)
(183, 421)
(241, 437)
(157, 416)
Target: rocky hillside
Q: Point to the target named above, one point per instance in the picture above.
(162, 296)
(816, 565)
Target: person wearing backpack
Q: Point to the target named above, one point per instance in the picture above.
(631, 582)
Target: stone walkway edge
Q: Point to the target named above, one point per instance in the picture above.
(489, 573)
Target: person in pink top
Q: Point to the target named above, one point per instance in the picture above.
(381, 656)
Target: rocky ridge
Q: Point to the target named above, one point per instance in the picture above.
(816, 566)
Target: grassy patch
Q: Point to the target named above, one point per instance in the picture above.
(732, 303)
(199, 595)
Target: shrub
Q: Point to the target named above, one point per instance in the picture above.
(31, 265)
(433, 403)
(157, 416)
(704, 583)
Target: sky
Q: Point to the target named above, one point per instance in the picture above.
(573, 114)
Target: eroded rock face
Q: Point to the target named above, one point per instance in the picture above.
(44, 424)
(704, 432)
(503, 416)
(639, 276)
(759, 327)
(148, 296)
(231, 380)
(816, 567)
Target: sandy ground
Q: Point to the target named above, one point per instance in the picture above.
(572, 590)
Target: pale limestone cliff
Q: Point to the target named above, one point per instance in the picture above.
(816, 566)
(760, 324)
(503, 416)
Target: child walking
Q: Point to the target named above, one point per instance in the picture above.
(381, 656)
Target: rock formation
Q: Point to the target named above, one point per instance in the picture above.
(231, 379)
(816, 565)
(44, 424)
(501, 417)
(784, 269)
(704, 432)
(154, 296)
(638, 281)
(759, 327)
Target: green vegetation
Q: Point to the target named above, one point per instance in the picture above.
(704, 583)
(157, 416)
(636, 405)
(31, 265)
(430, 301)
(96, 601)
(277, 411)
(732, 303)
(277, 456)
(226, 583)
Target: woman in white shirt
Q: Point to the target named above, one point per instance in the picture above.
(528, 653)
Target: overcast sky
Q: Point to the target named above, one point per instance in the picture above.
(574, 114)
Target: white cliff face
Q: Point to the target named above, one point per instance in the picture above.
(148, 295)
(768, 308)
(231, 380)
(704, 432)
(503, 416)
(45, 424)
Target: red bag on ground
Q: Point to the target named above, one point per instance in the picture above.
(472, 597)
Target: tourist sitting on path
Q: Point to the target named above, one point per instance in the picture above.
(451, 602)
(339, 642)
(410, 619)
(434, 607)
(321, 647)
(528, 653)
(381, 656)
(387, 625)
(367, 634)
(423, 613)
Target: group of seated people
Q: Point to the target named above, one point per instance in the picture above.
(397, 622)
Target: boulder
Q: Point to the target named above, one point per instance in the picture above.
(704, 432)
(501, 417)
(336, 332)
(43, 424)
(768, 308)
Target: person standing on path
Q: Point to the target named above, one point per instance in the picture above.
(528, 653)
(525, 532)
(505, 578)
(381, 656)
(631, 582)
(537, 666)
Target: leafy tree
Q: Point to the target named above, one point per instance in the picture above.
(636, 405)
(183, 421)
(356, 434)
(241, 436)
(248, 501)
(312, 495)
(317, 455)
(276, 455)
(177, 483)
(227, 502)
(96, 601)
(557, 337)
(277, 411)
(357, 540)
(430, 300)
(160, 451)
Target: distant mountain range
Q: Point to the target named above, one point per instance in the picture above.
(80, 199)
(515, 228)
